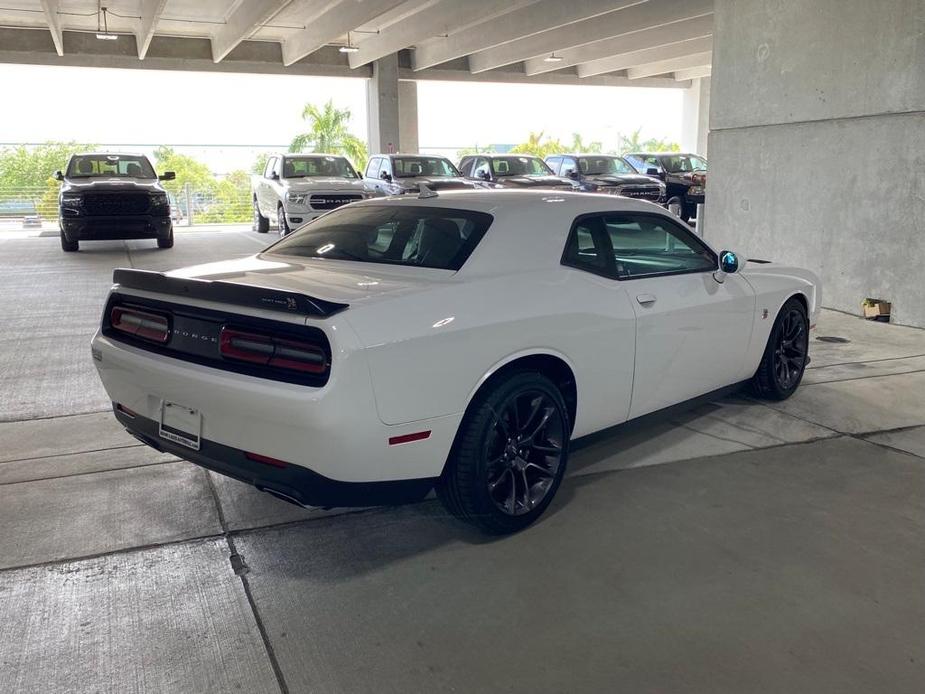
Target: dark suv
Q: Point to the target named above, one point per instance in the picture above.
(512, 171)
(396, 174)
(684, 175)
(607, 173)
(113, 196)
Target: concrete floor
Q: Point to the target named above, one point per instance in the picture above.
(734, 547)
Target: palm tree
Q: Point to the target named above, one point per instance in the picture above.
(635, 143)
(328, 133)
(536, 146)
(579, 145)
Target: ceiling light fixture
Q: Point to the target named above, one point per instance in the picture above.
(553, 58)
(102, 27)
(349, 48)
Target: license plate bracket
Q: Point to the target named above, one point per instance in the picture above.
(180, 424)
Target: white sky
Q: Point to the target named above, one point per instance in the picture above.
(150, 107)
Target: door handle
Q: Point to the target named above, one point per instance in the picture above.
(646, 299)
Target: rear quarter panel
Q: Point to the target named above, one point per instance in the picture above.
(429, 352)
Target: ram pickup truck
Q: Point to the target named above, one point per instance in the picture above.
(113, 196)
(295, 188)
(684, 176)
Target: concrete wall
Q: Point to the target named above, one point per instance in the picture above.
(695, 117)
(817, 143)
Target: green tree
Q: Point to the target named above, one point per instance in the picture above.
(187, 169)
(27, 173)
(579, 145)
(465, 151)
(537, 146)
(260, 163)
(328, 133)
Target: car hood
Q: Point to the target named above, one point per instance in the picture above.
(334, 280)
(108, 185)
(327, 182)
(620, 179)
(536, 182)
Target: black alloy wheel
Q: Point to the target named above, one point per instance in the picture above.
(789, 357)
(786, 354)
(523, 452)
(509, 456)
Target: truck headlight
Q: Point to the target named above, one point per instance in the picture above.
(160, 203)
(71, 204)
(295, 198)
(695, 190)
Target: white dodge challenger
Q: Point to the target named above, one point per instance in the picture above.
(458, 341)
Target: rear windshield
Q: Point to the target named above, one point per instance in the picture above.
(433, 237)
(519, 166)
(87, 165)
(307, 167)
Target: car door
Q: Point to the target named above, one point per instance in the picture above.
(265, 189)
(388, 187)
(692, 330)
(371, 181)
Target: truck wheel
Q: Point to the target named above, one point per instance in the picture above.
(785, 356)
(509, 456)
(68, 245)
(284, 229)
(167, 241)
(261, 223)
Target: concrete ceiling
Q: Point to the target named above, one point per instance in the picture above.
(630, 41)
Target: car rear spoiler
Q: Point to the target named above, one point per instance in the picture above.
(227, 293)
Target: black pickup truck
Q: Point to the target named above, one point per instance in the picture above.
(684, 175)
(113, 196)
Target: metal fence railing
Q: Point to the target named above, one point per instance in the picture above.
(226, 201)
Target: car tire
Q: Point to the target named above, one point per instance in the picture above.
(68, 245)
(167, 241)
(786, 354)
(509, 456)
(283, 225)
(261, 223)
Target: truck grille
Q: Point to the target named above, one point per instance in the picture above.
(329, 202)
(641, 192)
(113, 204)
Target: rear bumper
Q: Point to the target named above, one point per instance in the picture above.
(292, 483)
(106, 228)
(333, 431)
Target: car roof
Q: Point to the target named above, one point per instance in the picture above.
(109, 154)
(664, 154)
(313, 155)
(586, 154)
(409, 154)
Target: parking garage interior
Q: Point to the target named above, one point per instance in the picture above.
(727, 545)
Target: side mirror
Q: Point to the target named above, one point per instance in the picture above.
(59, 176)
(274, 176)
(652, 172)
(386, 176)
(167, 176)
(571, 173)
(728, 265)
(484, 175)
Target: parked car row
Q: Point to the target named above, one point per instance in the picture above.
(296, 188)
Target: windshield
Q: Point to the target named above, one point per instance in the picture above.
(87, 165)
(680, 163)
(433, 237)
(308, 167)
(519, 166)
(406, 167)
(593, 166)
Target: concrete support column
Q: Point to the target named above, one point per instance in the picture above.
(695, 114)
(408, 116)
(392, 109)
(382, 106)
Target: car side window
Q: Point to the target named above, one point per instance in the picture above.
(588, 247)
(567, 164)
(372, 168)
(481, 167)
(465, 165)
(386, 166)
(271, 163)
(553, 163)
(648, 244)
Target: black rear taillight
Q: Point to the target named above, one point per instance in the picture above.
(141, 324)
(273, 351)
